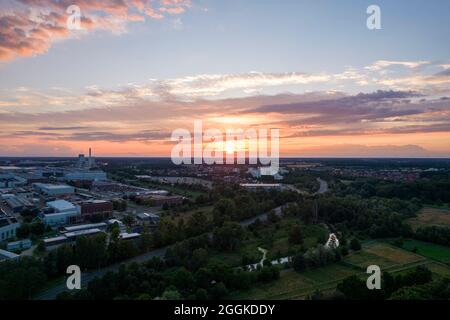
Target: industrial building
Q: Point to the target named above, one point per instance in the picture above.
(148, 217)
(71, 236)
(129, 236)
(6, 255)
(85, 175)
(19, 245)
(8, 227)
(17, 203)
(9, 181)
(81, 227)
(266, 186)
(84, 162)
(99, 209)
(53, 189)
(61, 212)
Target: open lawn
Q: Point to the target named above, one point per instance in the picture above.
(439, 269)
(293, 285)
(381, 254)
(207, 210)
(431, 217)
(429, 250)
(393, 254)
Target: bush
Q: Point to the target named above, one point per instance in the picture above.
(299, 263)
(355, 245)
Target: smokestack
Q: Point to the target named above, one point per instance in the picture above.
(90, 153)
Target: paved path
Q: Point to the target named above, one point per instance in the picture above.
(262, 217)
(323, 186)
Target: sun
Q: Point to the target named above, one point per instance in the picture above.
(230, 147)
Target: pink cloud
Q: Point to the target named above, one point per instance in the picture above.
(32, 26)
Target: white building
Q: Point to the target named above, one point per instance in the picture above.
(65, 212)
(53, 189)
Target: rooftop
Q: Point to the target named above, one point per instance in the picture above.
(4, 255)
(82, 232)
(61, 205)
(86, 226)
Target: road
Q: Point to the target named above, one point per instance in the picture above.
(51, 293)
(323, 186)
(262, 217)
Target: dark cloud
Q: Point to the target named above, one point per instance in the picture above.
(362, 107)
(356, 150)
(358, 103)
(445, 73)
(143, 136)
(62, 128)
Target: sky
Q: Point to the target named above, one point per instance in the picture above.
(136, 70)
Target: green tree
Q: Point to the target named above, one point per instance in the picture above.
(296, 235)
(344, 251)
(353, 288)
(199, 258)
(228, 237)
(219, 291)
(355, 245)
(299, 262)
(223, 210)
(64, 258)
(183, 280)
(171, 294)
(201, 294)
(91, 252)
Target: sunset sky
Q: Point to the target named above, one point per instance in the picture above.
(139, 69)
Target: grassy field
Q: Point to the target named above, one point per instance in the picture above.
(207, 210)
(431, 217)
(293, 285)
(383, 255)
(429, 250)
(439, 269)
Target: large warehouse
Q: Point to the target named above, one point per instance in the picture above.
(53, 189)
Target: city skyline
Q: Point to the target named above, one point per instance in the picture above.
(140, 69)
